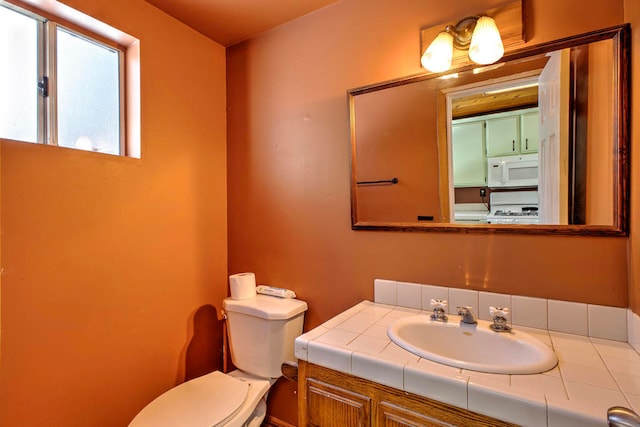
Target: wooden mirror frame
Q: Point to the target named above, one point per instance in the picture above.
(621, 37)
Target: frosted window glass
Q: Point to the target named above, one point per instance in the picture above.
(18, 76)
(88, 94)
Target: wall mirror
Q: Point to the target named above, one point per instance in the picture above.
(537, 143)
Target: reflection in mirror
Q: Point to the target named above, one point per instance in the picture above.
(536, 143)
(525, 160)
(401, 144)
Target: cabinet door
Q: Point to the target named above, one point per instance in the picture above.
(332, 406)
(469, 161)
(529, 128)
(503, 138)
(390, 415)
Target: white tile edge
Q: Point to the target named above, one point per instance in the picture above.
(633, 329)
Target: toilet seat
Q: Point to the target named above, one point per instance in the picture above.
(215, 399)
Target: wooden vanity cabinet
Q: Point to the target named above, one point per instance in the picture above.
(327, 398)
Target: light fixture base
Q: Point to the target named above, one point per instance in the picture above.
(462, 32)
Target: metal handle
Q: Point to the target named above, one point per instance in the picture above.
(526, 143)
(439, 303)
(439, 306)
(619, 416)
(513, 145)
(382, 181)
(500, 316)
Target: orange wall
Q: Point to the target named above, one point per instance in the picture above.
(114, 269)
(288, 143)
(632, 15)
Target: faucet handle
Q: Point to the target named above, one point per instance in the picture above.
(439, 303)
(499, 311)
(500, 316)
(439, 307)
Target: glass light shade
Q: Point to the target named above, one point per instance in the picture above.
(486, 43)
(438, 56)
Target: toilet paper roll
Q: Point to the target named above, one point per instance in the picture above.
(243, 285)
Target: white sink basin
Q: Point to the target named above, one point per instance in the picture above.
(473, 347)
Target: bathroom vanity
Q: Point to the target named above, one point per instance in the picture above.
(352, 374)
(330, 398)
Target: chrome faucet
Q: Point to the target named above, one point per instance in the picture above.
(468, 315)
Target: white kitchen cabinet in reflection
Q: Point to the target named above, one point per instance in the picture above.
(469, 163)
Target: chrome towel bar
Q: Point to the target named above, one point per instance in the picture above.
(383, 181)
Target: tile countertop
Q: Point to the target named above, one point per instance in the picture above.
(592, 374)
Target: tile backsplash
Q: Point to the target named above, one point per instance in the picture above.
(612, 323)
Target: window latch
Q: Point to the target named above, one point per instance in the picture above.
(43, 86)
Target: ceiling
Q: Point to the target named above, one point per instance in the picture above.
(483, 103)
(231, 21)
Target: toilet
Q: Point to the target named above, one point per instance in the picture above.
(262, 330)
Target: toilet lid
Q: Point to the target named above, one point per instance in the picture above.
(202, 402)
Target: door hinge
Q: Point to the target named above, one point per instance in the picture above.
(43, 86)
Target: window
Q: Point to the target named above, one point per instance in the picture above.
(59, 86)
(88, 81)
(18, 76)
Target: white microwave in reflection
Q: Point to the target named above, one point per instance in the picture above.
(513, 171)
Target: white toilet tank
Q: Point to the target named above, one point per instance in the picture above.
(262, 331)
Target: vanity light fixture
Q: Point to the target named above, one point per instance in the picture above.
(477, 34)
